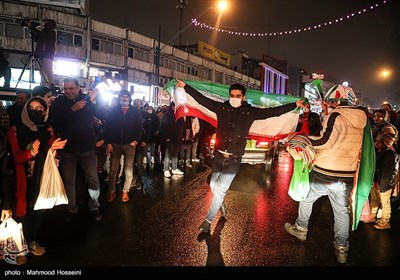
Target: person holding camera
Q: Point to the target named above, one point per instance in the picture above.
(45, 48)
(5, 70)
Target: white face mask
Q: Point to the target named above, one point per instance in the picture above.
(235, 102)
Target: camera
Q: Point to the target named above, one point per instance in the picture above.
(25, 21)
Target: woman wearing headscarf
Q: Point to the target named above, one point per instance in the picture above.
(29, 142)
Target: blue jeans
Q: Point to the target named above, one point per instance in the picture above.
(223, 172)
(68, 166)
(338, 191)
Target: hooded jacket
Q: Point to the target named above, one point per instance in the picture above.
(339, 144)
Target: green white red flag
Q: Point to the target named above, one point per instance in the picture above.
(270, 129)
(364, 177)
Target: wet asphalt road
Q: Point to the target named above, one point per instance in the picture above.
(158, 228)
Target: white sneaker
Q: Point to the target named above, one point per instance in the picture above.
(167, 174)
(177, 172)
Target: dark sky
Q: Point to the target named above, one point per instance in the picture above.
(352, 50)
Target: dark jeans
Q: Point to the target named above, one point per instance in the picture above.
(68, 168)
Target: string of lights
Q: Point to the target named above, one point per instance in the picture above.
(196, 23)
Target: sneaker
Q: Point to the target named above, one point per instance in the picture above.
(382, 224)
(196, 160)
(297, 231)
(36, 249)
(96, 215)
(223, 210)
(177, 172)
(205, 226)
(125, 196)
(341, 253)
(167, 174)
(188, 164)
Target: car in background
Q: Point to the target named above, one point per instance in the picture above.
(256, 152)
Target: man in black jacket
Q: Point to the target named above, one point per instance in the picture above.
(72, 117)
(123, 133)
(235, 118)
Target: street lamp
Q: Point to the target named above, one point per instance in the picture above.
(182, 4)
(222, 5)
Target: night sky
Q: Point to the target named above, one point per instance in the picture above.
(353, 50)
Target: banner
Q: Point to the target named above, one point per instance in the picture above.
(270, 129)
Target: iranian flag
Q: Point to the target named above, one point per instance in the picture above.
(270, 129)
(364, 177)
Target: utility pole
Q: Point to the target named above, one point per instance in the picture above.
(182, 5)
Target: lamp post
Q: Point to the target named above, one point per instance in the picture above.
(221, 6)
(182, 5)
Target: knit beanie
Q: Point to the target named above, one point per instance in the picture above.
(125, 92)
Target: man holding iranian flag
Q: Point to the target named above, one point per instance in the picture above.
(234, 119)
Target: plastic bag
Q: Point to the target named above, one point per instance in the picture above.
(12, 241)
(300, 183)
(52, 192)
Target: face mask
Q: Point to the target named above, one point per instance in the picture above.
(36, 116)
(124, 103)
(235, 102)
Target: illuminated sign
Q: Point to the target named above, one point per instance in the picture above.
(316, 76)
(212, 53)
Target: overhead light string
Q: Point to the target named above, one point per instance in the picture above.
(199, 24)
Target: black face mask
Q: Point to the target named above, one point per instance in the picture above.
(36, 116)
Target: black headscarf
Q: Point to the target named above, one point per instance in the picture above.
(27, 133)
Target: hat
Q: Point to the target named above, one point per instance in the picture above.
(341, 93)
(125, 92)
(387, 139)
(40, 91)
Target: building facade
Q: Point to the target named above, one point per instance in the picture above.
(87, 48)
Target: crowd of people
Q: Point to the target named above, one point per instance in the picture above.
(112, 141)
(94, 141)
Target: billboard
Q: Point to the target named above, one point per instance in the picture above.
(212, 53)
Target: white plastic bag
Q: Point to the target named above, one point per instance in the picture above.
(12, 240)
(52, 192)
